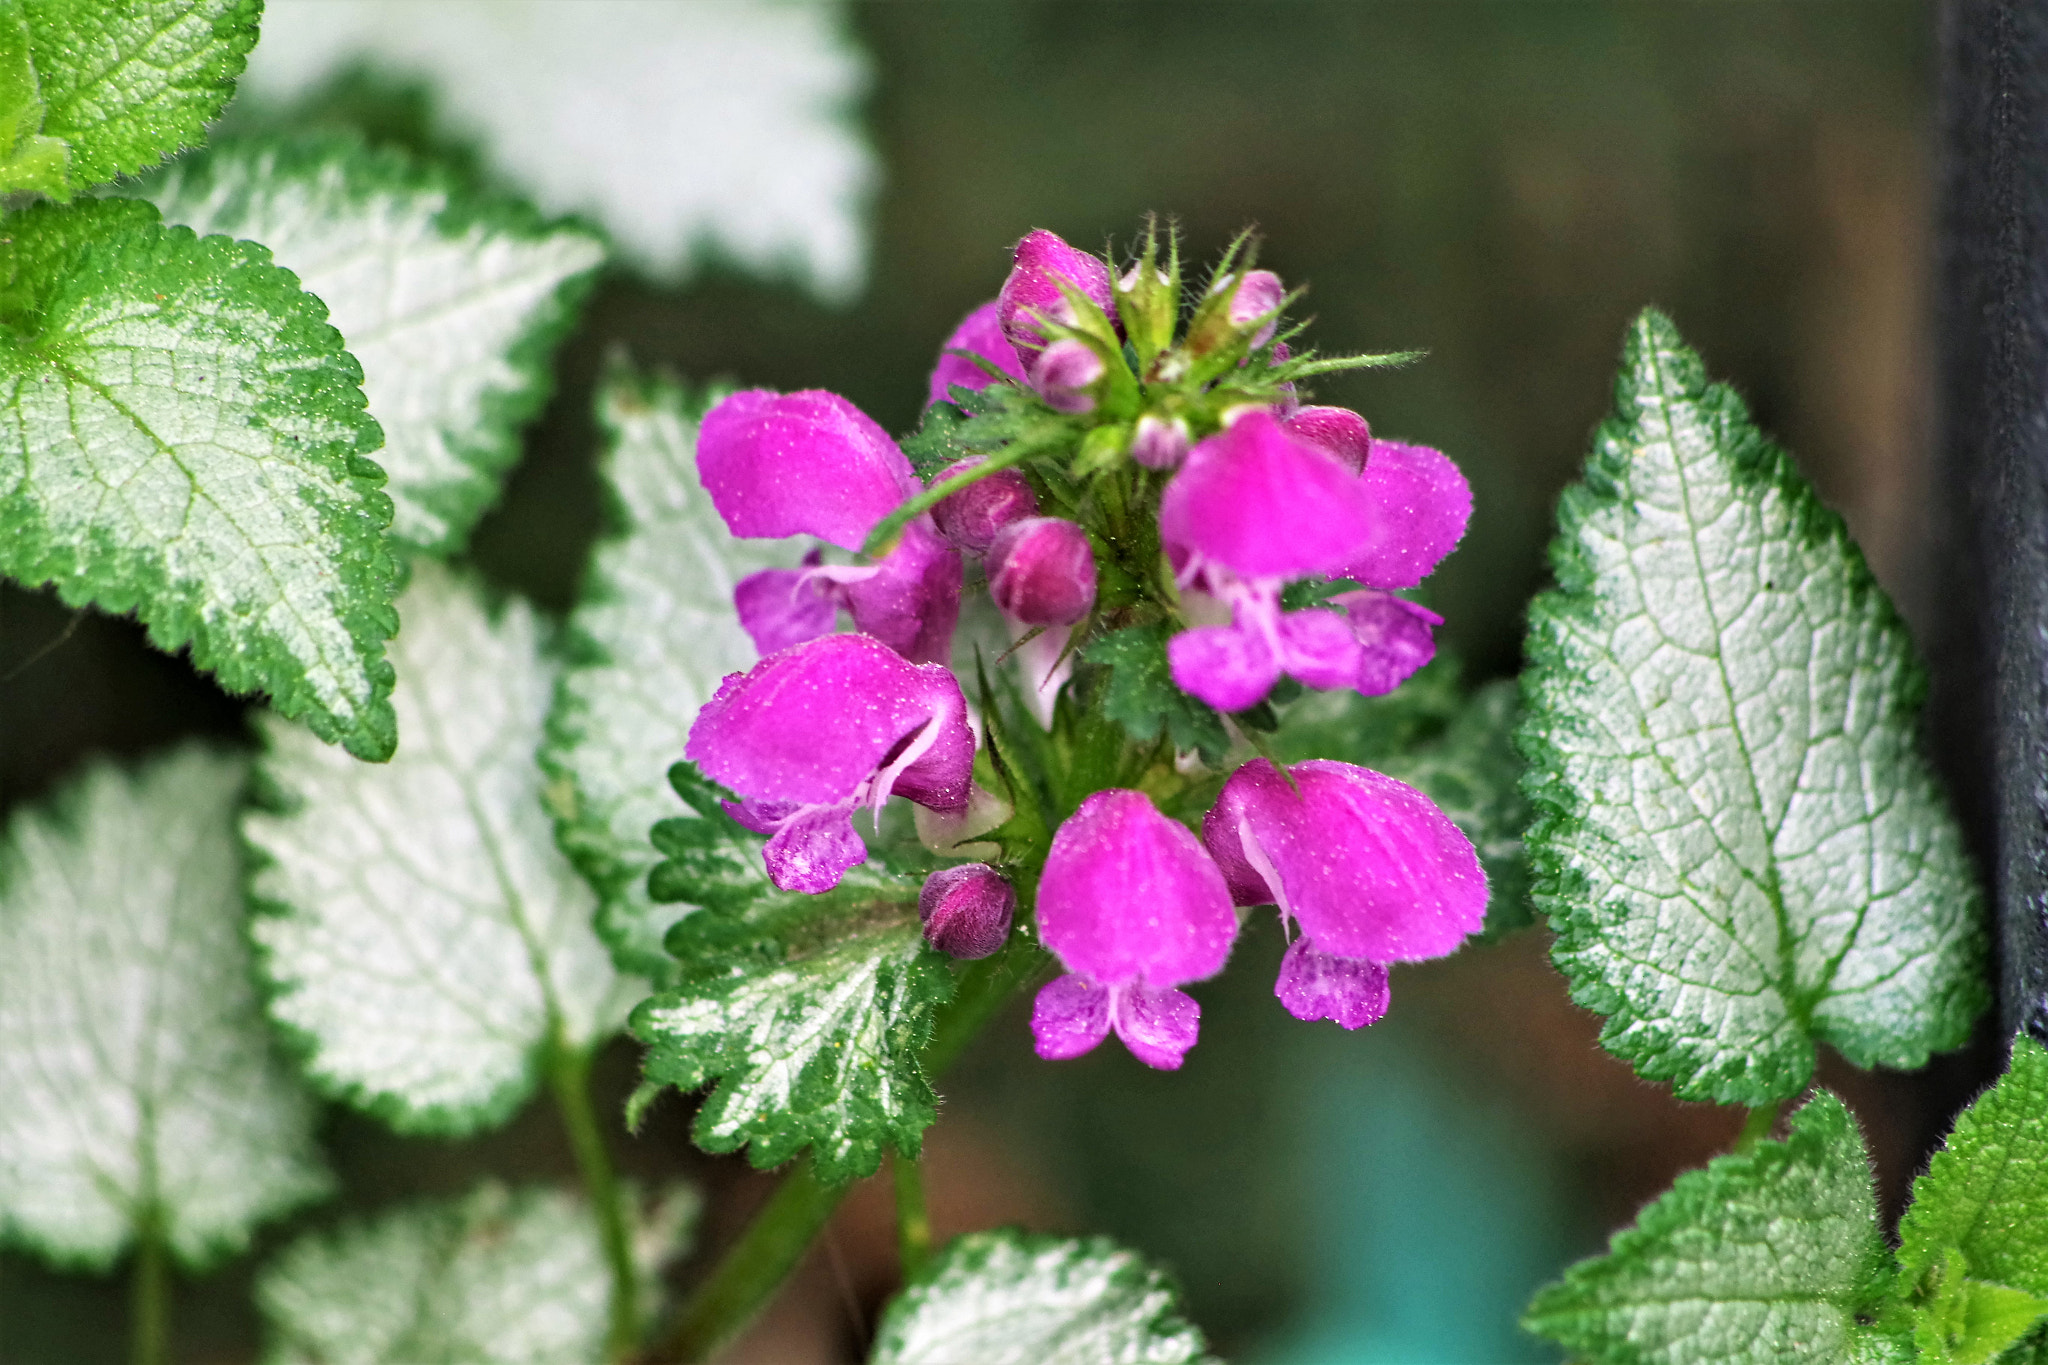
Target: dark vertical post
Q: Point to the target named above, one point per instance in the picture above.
(1989, 710)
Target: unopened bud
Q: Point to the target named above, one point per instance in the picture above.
(966, 910)
(971, 517)
(1033, 287)
(1259, 295)
(1160, 442)
(1065, 375)
(1340, 431)
(1041, 571)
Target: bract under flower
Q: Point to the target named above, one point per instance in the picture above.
(813, 733)
(981, 332)
(796, 464)
(1132, 907)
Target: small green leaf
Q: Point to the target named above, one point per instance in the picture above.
(1473, 773)
(810, 1012)
(123, 85)
(1973, 1248)
(138, 1071)
(1012, 1298)
(976, 422)
(1769, 1257)
(186, 440)
(1142, 698)
(423, 936)
(1737, 841)
(497, 1278)
(452, 301)
(653, 634)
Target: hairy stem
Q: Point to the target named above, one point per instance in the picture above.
(569, 1077)
(1758, 1125)
(149, 1324)
(913, 1225)
(751, 1271)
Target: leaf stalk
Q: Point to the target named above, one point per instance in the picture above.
(569, 1077)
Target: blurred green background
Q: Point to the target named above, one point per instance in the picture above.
(1503, 184)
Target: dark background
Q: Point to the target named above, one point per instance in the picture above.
(1502, 184)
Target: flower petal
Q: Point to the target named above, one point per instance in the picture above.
(1315, 985)
(1225, 666)
(1340, 431)
(1129, 895)
(1265, 504)
(1069, 1017)
(807, 463)
(982, 333)
(1420, 504)
(783, 607)
(1158, 1026)
(1319, 648)
(811, 850)
(912, 602)
(1396, 638)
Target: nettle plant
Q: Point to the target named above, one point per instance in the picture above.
(1133, 638)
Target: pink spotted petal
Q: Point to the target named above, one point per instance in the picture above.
(1266, 505)
(1069, 1017)
(1158, 1026)
(1225, 666)
(1420, 506)
(1319, 648)
(1396, 637)
(783, 607)
(912, 603)
(1315, 985)
(811, 851)
(1129, 895)
(807, 463)
(982, 333)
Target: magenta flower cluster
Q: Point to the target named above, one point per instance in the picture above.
(1363, 870)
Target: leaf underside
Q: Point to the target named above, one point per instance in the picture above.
(452, 301)
(1736, 839)
(654, 633)
(810, 1012)
(138, 1071)
(423, 936)
(1012, 1298)
(1770, 1257)
(184, 438)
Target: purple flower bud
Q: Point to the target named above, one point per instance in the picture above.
(966, 910)
(1422, 504)
(1041, 571)
(1265, 504)
(1160, 442)
(982, 333)
(1395, 636)
(1065, 375)
(806, 463)
(1132, 907)
(1259, 295)
(1340, 431)
(809, 735)
(1042, 260)
(1369, 867)
(971, 517)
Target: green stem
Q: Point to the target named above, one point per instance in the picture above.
(913, 1225)
(1758, 1126)
(569, 1076)
(885, 532)
(150, 1295)
(750, 1272)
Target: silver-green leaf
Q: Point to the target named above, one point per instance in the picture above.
(648, 643)
(497, 1278)
(1011, 1298)
(1737, 841)
(423, 935)
(451, 300)
(141, 1085)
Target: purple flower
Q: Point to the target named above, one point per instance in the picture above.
(1258, 505)
(811, 463)
(982, 333)
(1368, 868)
(1339, 431)
(966, 910)
(813, 733)
(1041, 571)
(1259, 295)
(1033, 288)
(1395, 637)
(971, 517)
(1133, 908)
(1065, 375)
